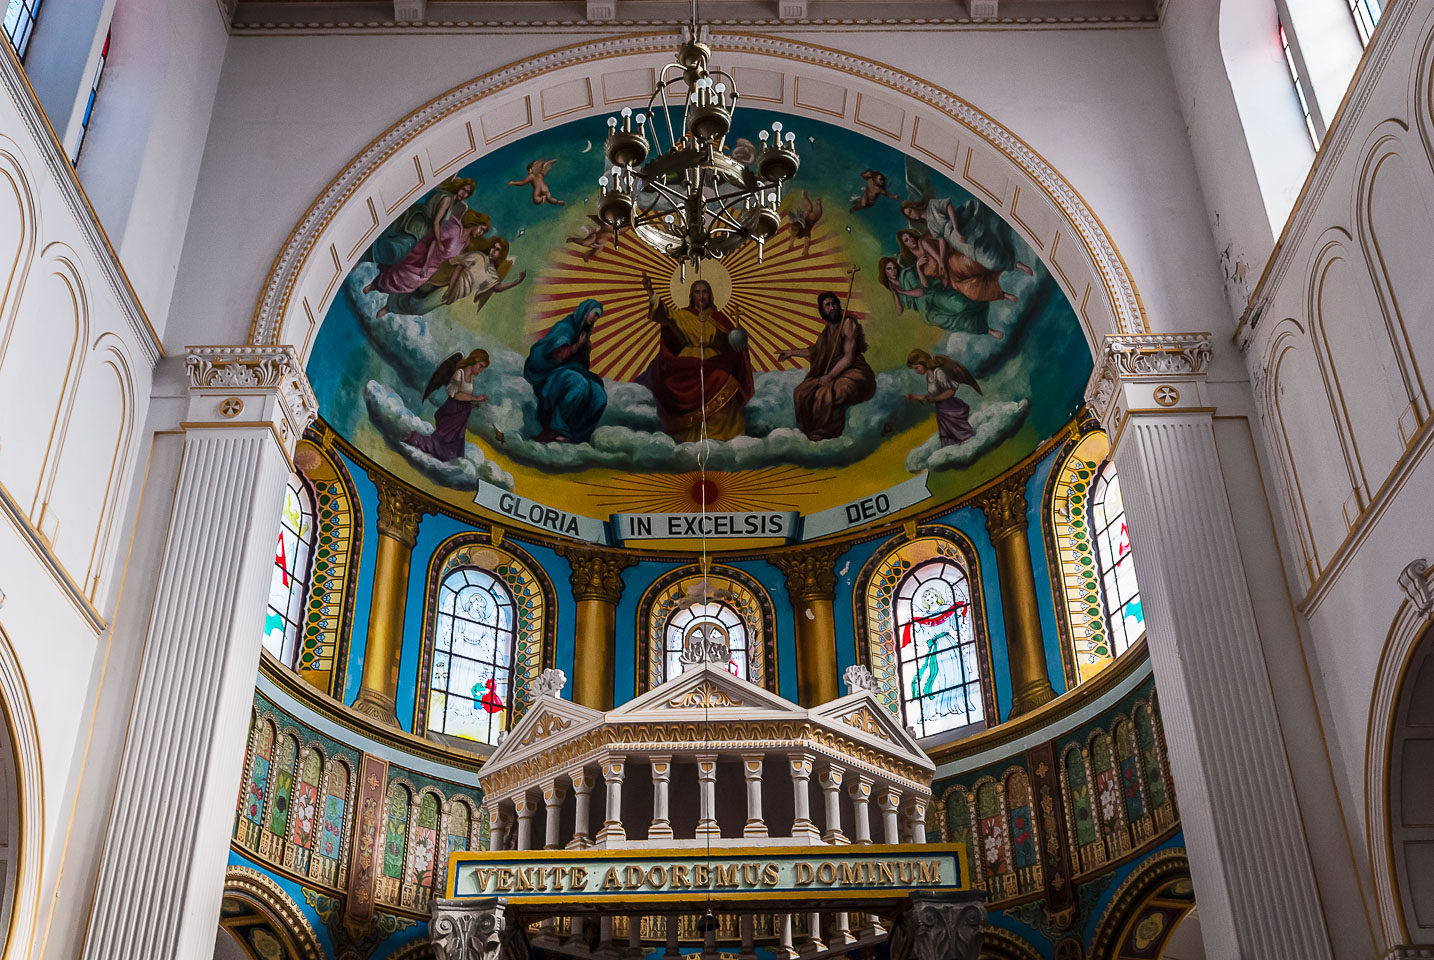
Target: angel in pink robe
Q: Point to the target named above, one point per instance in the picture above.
(427, 255)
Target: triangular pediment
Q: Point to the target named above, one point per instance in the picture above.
(548, 720)
(863, 716)
(708, 688)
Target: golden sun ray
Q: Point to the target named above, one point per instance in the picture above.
(773, 488)
(773, 300)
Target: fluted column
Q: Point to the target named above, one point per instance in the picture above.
(596, 580)
(525, 807)
(755, 826)
(830, 781)
(554, 793)
(195, 687)
(1258, 894)
(1005, 509)
(612, 828)
(860, 792)
(800, 765)
(811, 581)
(889, 802)
(661, 826)
(583, 783)
(398, 517)
(707, 828)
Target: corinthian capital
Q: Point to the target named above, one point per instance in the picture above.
(398, 510)
(1005, 507)
(810, 573)
(251, 384)
(596, 573)
(1154, 362)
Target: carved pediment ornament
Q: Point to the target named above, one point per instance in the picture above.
(546, 725)
(704, 695)
(864, 720)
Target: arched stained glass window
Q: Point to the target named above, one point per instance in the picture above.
(471, 682)
(1125, 617)
(714, 620)
(936, 648)
(289, 585)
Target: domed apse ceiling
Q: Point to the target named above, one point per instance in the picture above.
(597, 442)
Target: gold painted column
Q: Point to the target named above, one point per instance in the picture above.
(1005, 509)
(398, 516)
(597, 586)
(811, 581)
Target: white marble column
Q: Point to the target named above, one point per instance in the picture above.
(497, 826)
(860, 792)
(830, 780)
(785, 950)
(612, 828)
(707, 828)
(583, 783)
(195, 688)
(1255, 875)
(755, 826)
(889, 802)
(661, 826)
(554, 793)
(801, 770)
(913, 815)
(526, 808)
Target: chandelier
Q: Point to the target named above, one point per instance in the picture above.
(672, 181)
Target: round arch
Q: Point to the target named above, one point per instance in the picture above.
(22, 804)
(262, 918)
(600, 76)
(1147, 908)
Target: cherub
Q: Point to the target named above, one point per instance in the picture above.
(537, 172)
(596, 237)
(874, 190)
(804, 219)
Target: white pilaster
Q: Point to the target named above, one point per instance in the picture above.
(525, 807)
(612, 828)
(756, 826)
(661, 827)
(860, 792)
(707, 828)
(913, 815)
(554, 793)
(1255, 875)
(583, 783)
(497, 827)
(195, 689)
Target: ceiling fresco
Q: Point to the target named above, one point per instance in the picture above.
(498, 349)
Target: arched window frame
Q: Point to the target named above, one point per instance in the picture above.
(750, 600)
(292, 573)
(1366, 14)
(501, 622)
(872, 607)
(958, 623)
(535, 606)
(1110, 558)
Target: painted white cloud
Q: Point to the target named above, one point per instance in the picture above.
(982, 353)
(993, 422)
(396, 422)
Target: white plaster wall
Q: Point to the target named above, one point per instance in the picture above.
(1067, 93)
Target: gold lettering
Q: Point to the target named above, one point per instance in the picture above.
(660, 873)
(701, 875)
(579, 879)
(770, 875)
(540, 874)
(866, 868)
(850, 874)
(887, 873)
(610, 880)
(525, 878)
(679, 876)
(751, 874)
(485, 877)
(907, 870)
(632, 877)
(805, 874)
(930, 871)
(560, 877)
(826, 873)
(726, 876)
(505, 878)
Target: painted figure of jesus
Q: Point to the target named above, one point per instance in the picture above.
(701, 366)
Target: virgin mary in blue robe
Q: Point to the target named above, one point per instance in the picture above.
(571, 398)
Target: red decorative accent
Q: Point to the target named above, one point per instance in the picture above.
(280, 560)
(960, 607)
(491, 701)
